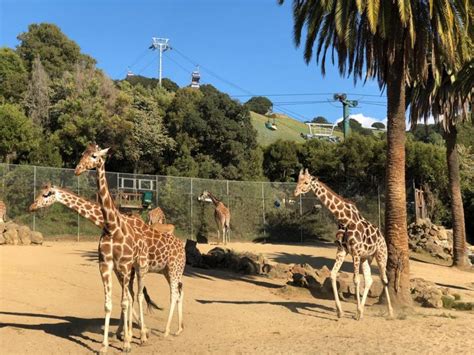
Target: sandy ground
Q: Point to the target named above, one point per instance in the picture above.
(51, 301)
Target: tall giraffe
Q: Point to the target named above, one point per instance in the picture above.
(221, 215)
(90, 210)
(166, 252)
(120, 250)
(360, 238)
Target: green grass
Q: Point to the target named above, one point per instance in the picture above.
(288, 129)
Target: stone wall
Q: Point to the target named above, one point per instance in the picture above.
(428, 237)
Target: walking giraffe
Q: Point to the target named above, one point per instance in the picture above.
(166, 252)
(92, 212)
(360, 238)
(221, 215)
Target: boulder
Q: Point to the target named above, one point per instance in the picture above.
(11, 236)
(10, 225)
(278, 271)
(2, 227)
(36, 238)
(24, 235)
(2, 239)
(427, 293)
(193, 255)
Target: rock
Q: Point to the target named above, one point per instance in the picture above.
(36, 237)
(24, 235)
(427, 293)
(10, 225)
(193, 255)
(442, 234)
(278, 271)
(2, 239)
(2, 227)
(11, 236)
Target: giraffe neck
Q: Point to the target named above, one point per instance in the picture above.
(344, 212)
(107, 206)
(214, 199)
(85, 208)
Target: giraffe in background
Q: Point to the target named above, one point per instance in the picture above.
(360, 238)
(221, 215)
(3, 212)
(166, 252)
(156, 215)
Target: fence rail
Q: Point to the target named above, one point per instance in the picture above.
(259, 210)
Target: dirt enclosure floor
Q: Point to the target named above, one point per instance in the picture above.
(51, 301)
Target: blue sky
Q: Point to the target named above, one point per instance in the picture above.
(247, 43)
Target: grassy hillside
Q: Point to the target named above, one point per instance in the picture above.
(288, 129)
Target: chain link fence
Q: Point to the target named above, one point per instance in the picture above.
(260, 211)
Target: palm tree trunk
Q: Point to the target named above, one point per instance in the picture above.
(398, 270)
(457, 209)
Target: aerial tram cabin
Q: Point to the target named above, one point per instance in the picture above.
(195, 77)
(271, 124)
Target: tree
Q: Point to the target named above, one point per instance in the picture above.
(448, 100)
(57, 52)
(17, 132)
(37, 96)
(259, 104)
(320, 119)
(393, 42)
(13, 75)
(280, 161)
(378, 125)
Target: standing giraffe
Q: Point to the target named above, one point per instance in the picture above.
(221, 215)
(166, 252)
(121, 250)
(92, 212)
(156, 215)
(360, 238)
(3, 212)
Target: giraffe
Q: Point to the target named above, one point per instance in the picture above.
(166, 252)
(3, 212)
(121, 250)
(221, 215)
(156, 215)
(356, 236)
(90, 210)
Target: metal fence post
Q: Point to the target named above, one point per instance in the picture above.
(301, 220)
(263, 211)
(191, 209)
(34, 196)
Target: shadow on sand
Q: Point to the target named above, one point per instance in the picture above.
(69, 327)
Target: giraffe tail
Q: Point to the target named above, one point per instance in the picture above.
(149, 302)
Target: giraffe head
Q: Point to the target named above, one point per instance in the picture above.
(304, 182)
(205, 197)
(91, 158)
(47, 196)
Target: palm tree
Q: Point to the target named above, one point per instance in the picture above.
(393, 41)
(448, 102)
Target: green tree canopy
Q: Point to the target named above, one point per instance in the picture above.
(13, 75)
(259, 104)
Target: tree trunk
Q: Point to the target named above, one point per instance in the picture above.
(457, 209)
(398, 270)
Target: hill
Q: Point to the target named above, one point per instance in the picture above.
(288, 129)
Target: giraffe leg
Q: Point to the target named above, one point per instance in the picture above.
(174, 296)
(180, 308)
(224, 238)
(218, 235)
(125, 311)
(341, 254)
(143, 330)
(382, 263)
(356, 262)
(106, 274)
(367, 283)
(119, 333)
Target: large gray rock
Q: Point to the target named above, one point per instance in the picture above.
(11, 236)
(24, 235)
(36, 238)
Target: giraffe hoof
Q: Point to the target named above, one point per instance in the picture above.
(103, 349)
(127, 349)
(358, 316)
(166, 333)
(178, 332)
(340, 314)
